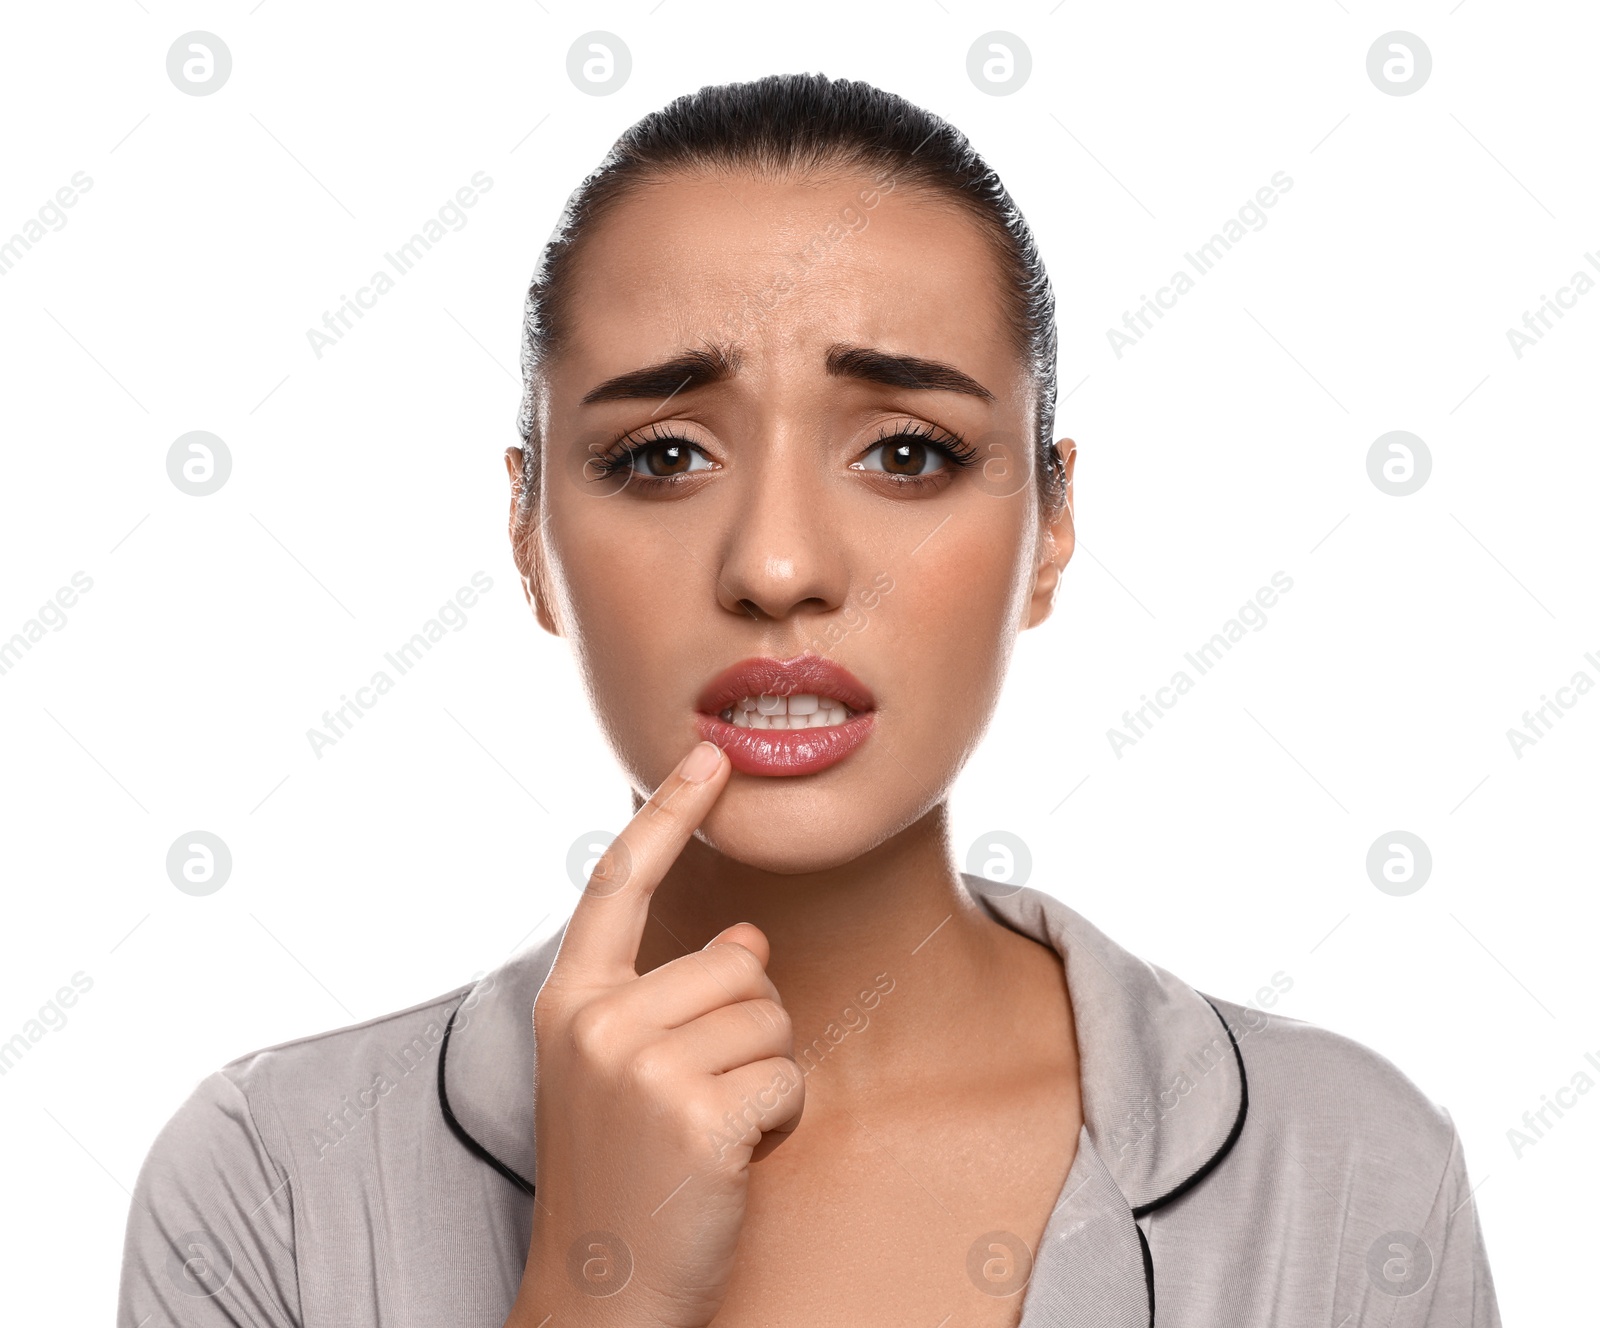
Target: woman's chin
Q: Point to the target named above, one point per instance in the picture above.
(778, 846)
(800, 835)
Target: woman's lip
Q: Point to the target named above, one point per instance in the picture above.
(804, 674)
(786, 751)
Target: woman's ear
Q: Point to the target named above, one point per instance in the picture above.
(527, 550)
(1057, 539)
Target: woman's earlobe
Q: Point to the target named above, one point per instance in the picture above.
(536, 591)
(1057, 542)
(535, 583)
(523, 553)
(1046, 581)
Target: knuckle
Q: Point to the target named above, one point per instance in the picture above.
(651, 1072)
(592, 1030)
(663, 802)
(795, 1079)
(771, 1016)
(612, 870)
(707, 1118)
(698, 1120)
(741, 963)
(788, 1087)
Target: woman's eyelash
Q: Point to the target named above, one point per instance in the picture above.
(624, 451)
(960, 452)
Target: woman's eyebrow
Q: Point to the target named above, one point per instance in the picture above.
(684, 371)
(878, 366)
(695, 368)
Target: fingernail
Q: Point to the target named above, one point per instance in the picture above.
(700, 764)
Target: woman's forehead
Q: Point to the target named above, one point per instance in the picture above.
(785, 271)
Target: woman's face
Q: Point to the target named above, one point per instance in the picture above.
(763, 514)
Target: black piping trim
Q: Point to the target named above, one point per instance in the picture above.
(456, 1128)
(1149, 1274)
(1183, 1187)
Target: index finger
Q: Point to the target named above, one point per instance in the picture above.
(602, 938)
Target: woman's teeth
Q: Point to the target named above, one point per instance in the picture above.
(806, 711)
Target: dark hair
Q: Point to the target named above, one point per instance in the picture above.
(787, 125)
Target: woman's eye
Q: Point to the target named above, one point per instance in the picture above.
(907, 457)
(911, 456)
(665, 459)
(661, 459)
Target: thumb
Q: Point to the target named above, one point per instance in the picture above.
(746, 934)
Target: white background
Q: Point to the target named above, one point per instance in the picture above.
(367, 486)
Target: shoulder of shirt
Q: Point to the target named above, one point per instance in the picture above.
(317, 1062)
(238, 1117)
(1310, 1083)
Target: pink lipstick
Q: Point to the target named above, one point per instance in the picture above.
(785, 717)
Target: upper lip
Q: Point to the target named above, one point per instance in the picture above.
(806, 674)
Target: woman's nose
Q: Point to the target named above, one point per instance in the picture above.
(782, 553)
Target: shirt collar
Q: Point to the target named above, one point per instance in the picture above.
(1163, 1085)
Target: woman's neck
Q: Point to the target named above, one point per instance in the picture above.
(895, 978)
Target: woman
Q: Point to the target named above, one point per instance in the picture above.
(789, 486)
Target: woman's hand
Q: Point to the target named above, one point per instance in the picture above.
(652, 1092)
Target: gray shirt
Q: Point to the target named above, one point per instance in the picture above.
(1235, 1168)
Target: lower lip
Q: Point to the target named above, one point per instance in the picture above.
(786, 751)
